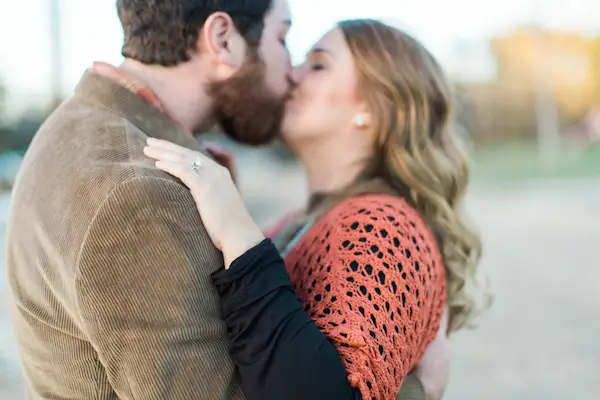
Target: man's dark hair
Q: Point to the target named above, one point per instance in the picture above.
(165, 32)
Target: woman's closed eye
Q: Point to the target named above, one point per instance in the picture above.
(317, 67)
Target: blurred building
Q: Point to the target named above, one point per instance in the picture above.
(563, 66)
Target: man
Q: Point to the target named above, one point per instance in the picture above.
(108, 261)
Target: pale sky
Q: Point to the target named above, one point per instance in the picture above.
(91, 31)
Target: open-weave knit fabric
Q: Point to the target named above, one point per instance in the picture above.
(371, 276)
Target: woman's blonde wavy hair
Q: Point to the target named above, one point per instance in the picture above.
(417, 154)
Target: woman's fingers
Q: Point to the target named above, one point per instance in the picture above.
(166, 145)
(184, 164)
(161, 154)
(183, 167)
(174, 168)
(181, 171)
(163, 150)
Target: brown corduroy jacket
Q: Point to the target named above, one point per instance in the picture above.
(109, 263)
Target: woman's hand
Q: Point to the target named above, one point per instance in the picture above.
(434, 367)
(221, 208)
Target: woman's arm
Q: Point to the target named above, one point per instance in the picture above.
(279, 351)
(373, 281)
(267, 323)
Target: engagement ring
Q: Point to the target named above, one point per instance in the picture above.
(196, 165)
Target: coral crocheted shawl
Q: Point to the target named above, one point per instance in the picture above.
(371, 277)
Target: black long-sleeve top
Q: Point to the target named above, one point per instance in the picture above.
(280, 352)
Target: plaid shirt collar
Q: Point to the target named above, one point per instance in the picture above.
(128, 82)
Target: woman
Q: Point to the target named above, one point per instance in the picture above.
(381, 247)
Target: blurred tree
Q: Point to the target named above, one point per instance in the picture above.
(2, 101)
(16, 136)
(3, 123)
(595, 55)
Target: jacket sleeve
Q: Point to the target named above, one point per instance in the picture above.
(145, 296)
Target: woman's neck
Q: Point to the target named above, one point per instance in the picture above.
(330, 167)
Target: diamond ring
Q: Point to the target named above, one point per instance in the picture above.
(196, 165)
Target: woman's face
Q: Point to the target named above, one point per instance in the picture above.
(325, 102)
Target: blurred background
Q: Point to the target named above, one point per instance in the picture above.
(527, 80)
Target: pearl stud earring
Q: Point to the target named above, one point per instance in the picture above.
(359, 121)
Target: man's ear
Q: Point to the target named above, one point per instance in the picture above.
(221, 41)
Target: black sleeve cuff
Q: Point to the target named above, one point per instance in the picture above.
(252, 276)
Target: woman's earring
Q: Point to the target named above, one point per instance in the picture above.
(359, 121)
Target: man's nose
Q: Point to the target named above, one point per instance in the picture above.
(295, 75)
(290, 83)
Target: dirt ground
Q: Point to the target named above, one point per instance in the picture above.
(540, 339)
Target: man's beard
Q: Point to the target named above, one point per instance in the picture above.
(245, 108)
